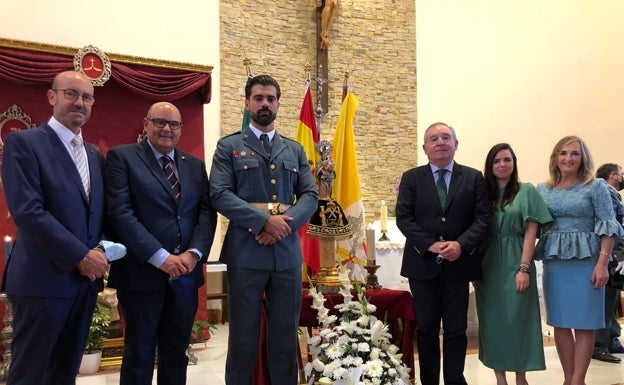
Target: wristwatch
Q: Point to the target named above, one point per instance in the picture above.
(100, 247)
(195, 254)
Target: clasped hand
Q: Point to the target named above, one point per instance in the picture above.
(449, 250)
(94, 265)
(177, 265)
(275, 229)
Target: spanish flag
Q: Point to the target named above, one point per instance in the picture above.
(346, 188)
(307, 135)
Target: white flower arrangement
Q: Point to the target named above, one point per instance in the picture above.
(354, 349)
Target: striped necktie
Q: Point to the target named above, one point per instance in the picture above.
(171, 176)
(441, 186)
(80, 159)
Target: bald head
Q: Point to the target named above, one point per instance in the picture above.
(158, 124)
(67, 97)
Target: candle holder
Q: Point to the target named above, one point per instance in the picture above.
(372, 283)
(384, 236)
(6, 337)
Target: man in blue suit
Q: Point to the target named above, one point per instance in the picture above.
(262, 183)
(158, 205)
(54, 272)
(442, 231)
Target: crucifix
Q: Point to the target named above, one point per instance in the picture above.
(324, 18)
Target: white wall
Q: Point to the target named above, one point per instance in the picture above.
(185, 31)
(523, 72)
(526, 73)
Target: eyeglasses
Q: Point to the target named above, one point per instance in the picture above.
(72, 96)
(161, 123)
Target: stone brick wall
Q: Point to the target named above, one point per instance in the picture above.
(375, 41)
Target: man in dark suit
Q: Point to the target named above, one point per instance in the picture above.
(442, 231)
(54, 274)
(267, 192)
(607, 339)
(158, 205)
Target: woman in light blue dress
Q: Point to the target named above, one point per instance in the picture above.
(575, 250)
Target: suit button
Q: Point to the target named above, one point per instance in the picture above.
(272, 167)
(249, 230)
(443, 219)
(274, 197)
(245, 167)
(273, 181)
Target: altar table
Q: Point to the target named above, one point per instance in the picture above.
(394, 306)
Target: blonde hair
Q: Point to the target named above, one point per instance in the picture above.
(585, 172)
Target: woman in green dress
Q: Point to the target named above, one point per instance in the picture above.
(510, 333)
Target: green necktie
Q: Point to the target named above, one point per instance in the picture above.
(441, 186)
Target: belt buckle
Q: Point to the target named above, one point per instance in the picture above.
(273, 208)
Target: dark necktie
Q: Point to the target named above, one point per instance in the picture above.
(171, 176)
(266, 143)
(441, 186)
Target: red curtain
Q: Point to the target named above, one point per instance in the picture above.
(117, 117)
(32, 67)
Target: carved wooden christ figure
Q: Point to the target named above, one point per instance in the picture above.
(327, 16)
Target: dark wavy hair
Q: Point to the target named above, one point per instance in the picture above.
(490, 180)
(264, 80)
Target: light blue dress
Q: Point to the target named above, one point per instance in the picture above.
(569, 248)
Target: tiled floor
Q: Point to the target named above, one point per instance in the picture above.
(212, 362)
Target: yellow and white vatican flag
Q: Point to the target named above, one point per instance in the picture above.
(346, 189)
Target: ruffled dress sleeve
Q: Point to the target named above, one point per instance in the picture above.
(533, 208)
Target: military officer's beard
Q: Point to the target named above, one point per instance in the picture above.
(263, 117)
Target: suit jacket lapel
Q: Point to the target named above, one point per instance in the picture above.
(429, 183)
(183, 173)
(278, 145)
(58, 149)
(456, 177)
(147, 155)
(252, 141)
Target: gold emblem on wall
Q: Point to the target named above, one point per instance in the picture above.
(94, 63)
(13, 119)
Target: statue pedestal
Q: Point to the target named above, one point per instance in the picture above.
(327, 280)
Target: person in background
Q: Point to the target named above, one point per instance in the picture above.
(52, 182)
(442, 209)
(507, 299)
(607, 339)
(158, 205)
(575, 250)
(261, 181)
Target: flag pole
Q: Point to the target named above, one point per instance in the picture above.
(345, 85)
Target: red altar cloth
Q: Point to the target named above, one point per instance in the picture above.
(393, 306)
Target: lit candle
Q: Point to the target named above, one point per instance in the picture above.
(370, 246)
(7, 247)
(384, 217)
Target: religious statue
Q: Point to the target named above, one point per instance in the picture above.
(327, 16)
(329, 220)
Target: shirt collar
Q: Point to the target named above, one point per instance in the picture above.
(159, 155)
(448, 167)
(257, 132)
(65, 134)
